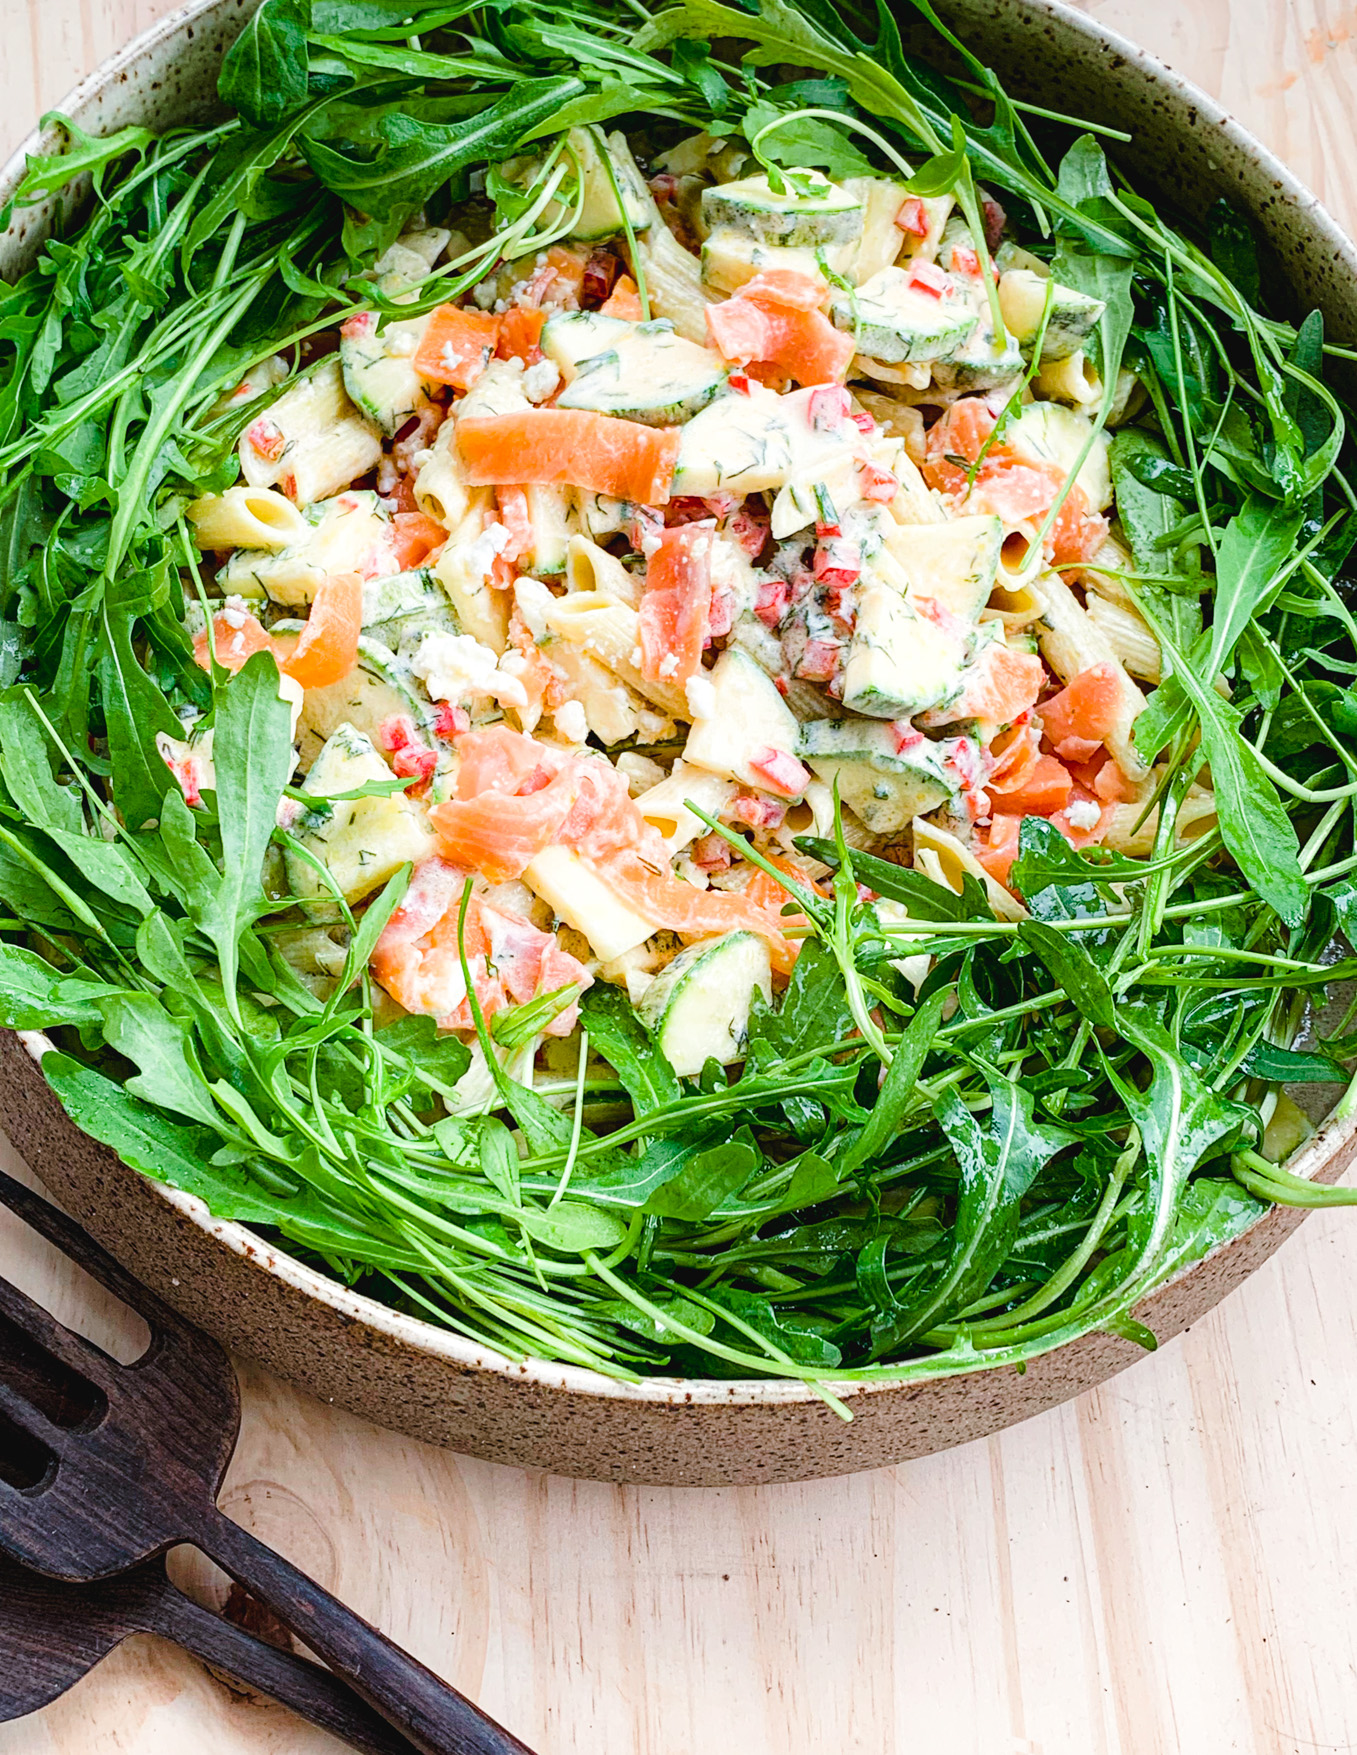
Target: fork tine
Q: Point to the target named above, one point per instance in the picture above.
(20, 1412)
(82, 1249)
(69, 1348)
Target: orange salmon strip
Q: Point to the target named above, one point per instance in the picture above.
(598, 452)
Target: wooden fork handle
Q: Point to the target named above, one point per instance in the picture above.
(312, 1693)
(434, 1717)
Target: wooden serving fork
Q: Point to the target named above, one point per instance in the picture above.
(104, 1466)
(52, 1634)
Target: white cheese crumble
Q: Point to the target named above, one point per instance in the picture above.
(454, 667)
(1083, 814)
(669, 665)
(401, 343)
(571, 722)
(540, 380)
(701, 698)
(484, 551)
(236, 612)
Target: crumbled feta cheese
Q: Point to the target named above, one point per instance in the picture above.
(507, 685)
(401, 343)
(636, 656)
(484, 294)
(236, 612)
(1083, 814)
(482, 554)
(701, 698)
(669, 665)
(571, 722)
(540, 380)
(652, 727)
(453, 667)
(420, 458)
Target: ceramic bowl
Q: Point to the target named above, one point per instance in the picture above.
(418, 1379)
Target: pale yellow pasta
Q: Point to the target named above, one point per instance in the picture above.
(312, 441)
(346, 534)
(1017, 608)
(614, 712)
(481, 610)
(673, 280)
(440, 484)
(1074, 380)
(591, 568)
(812, 815)
(939, 855)
(664, 806)
(1100, 574)
(1126, 833)
(881, 238)
(909, 376)
(498, 390)
(898, 418)
(1129, 635)
(246, 517)
(610, 631)
(1070, 643)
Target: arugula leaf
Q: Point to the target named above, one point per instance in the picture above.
(415, 158)
(264, 72)
(620, 1037)
(805, 141)
(1084, 983)
(999, 1155)
(926, 900)
(706, 1180)
(252, 753)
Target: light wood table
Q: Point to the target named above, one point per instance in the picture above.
(1167, 1566)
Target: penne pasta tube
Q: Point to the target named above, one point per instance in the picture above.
(246, 517)
(940, 856)
(1071, 642)
(591, 568)
(610, 631)
(311, 442)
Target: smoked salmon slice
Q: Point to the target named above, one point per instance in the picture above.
(675, 612)
(456, 346)
(773, 321)
(598, 452)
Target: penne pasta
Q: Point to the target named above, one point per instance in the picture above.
(1071, 642)
(246, 517)
(312, 441)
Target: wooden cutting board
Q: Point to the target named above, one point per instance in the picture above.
(1167, 1566)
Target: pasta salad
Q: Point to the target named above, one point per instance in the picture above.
(669, 702)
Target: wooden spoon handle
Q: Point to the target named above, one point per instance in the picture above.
(436, 1718)
(312, 1693)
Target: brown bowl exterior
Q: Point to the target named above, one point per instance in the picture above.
(415, 1378)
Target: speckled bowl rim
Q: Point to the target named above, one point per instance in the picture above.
(1327, 1142)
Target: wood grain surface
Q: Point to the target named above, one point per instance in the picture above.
(1167, 1566)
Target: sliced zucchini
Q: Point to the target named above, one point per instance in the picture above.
(698, 1006)
(984, 361)
(826, 214)
(379, 371)
(637, 371)
(397, 608)
(1074, 315)
(895, 319)
(551, 515)
(730, 257)
(885, 779)
(954, 563)
(1047, 432)
(362, 841)
(899, 662)
(747, 715)
(379, 687)
(752, 444)
(600, 215)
